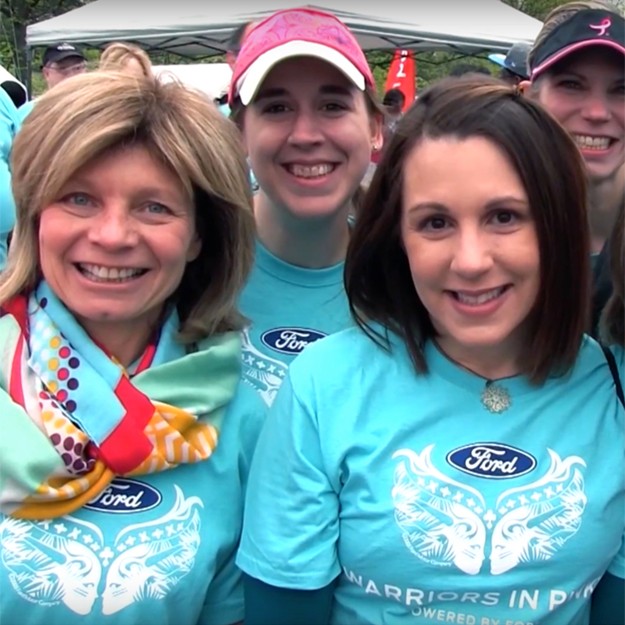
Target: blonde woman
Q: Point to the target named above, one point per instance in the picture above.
(126, 57)
(127, 431)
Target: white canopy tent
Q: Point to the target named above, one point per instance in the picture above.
(211, 79)
(199, 28)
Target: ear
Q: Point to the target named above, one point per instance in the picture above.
(377, 135)
(524, 87)
(195, 247)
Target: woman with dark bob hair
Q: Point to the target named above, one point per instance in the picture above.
(457, 456)
(127, 431)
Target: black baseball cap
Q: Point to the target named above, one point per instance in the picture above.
(589, 27)
(515, 60)
(61, 51)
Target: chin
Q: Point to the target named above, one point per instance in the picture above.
(600, 173)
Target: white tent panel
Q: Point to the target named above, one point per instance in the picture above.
(211, 79)
(202, 28)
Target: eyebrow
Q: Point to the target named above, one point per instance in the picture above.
(505, 200)
(275, 92)
(86, 185)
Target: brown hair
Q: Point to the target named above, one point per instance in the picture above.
(377, 276)
(116, 55)
(86, 117)
(612, 323)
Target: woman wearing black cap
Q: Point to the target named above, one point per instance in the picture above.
(576, 67)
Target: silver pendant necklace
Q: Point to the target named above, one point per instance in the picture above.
(495, 398)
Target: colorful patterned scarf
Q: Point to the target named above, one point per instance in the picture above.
(72, 418)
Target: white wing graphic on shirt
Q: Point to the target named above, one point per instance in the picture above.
(165, 553)
(439, 517)
(539, 518)
(263, 373)
(47, 564)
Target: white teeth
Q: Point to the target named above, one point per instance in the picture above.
(477, 300)
(594, 143)
(311, 171)
(114, 274)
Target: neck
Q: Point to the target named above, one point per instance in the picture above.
(313, 243)
(125, 342)
(493, 363)
(604, 200)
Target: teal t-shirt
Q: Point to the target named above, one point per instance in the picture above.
(428, 505)
(24, 110)
(289, 307)
(155, 549)
(9, 125)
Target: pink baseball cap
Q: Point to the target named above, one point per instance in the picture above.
(297, 32)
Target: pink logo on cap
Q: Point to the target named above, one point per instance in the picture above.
(603, 27)
(300, 25)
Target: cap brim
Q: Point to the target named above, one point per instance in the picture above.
(61, 56)
(497, 58)
(574, 47)
(251, 80)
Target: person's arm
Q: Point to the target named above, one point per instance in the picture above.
(269, 605)
(608, 602)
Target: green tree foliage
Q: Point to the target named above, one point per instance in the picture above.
(15, 15)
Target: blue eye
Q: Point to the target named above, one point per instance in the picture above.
(157, 209)
(78, 199)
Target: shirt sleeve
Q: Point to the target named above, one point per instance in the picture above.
(290, 528)
(617, 566)
(224, 602)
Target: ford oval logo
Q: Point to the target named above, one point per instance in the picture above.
(290, 340)
(124, 496)
(491, 460)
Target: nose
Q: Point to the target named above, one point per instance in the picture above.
(113, 229)
(472, 255)
(305, 130)
(596, 108)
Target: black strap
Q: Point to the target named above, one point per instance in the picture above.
(614, 371)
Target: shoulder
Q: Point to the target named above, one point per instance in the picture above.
(591, 356)
(246, 403)
(24, 110)
(245, 416)
(592, 369)
(339, 354)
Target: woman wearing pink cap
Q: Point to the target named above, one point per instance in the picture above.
(304, 97)
(577, 74)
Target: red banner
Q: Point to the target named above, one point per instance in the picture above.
(402, 75)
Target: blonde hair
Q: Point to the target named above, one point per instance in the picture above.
(116, 55)
(563, 13)
(86, 117)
